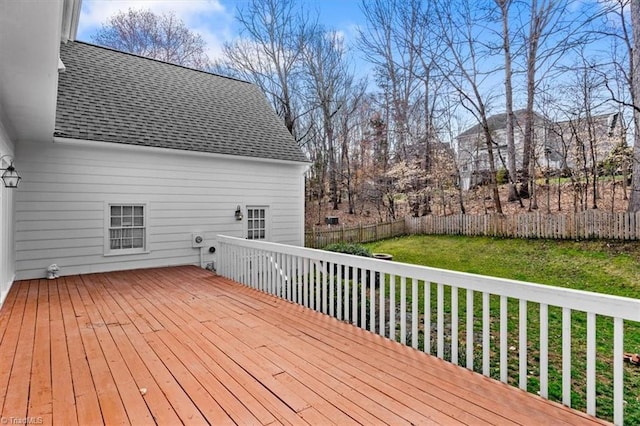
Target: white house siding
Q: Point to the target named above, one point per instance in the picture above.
(60, 207)
(7, 258)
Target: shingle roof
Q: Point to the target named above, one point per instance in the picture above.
(498, 121)
(109, 96)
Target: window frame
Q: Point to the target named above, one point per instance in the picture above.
(108, 251)
(267, 222)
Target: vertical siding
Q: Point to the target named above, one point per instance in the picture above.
(7, 258)
(60, 210)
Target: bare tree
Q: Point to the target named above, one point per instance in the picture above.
(386, 42)
(350, 131)
(620, 23)
(552, 32)
(163, 37)
(504, 6)
(634, 199)
(274, 34)
(459, 60)
(329, 81)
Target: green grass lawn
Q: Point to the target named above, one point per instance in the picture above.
(611, 268)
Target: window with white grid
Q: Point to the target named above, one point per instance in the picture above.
(127, 228)
(256, 223)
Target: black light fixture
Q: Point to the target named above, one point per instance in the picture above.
(238, 213)
(10, 176)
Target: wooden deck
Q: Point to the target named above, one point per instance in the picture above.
(181, 345)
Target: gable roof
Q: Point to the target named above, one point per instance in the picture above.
(110, 96)
(498, 121)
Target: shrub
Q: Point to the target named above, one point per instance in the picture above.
(502, 176)
(349, 248)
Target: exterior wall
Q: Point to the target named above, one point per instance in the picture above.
(7, 254)
(60, 210)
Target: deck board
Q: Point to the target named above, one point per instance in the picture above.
(182, 345)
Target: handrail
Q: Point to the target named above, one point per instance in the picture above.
(601, 304)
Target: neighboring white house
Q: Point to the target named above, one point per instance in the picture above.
(473, 155)
(561, 144)
(143, 158)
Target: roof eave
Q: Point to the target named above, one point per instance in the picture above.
(143, 148)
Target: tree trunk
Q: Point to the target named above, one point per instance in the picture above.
(511, 148)
(634, 199)
(535, 30)
(492, 169)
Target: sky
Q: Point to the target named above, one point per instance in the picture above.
(214, 19)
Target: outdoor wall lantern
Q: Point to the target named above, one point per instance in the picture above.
(238, 213)
(10, 176)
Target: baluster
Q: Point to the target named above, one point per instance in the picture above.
(332, 295)
(469, 336)
(504, 346)
(414, 313)
(315, 282)
(454, 325)
(363, 297)
(306, 270)
(267, 277)
(299, 279)
(256, 267)
(486, 334)
(392, 307)
(372, 301)
(618, 371)
(522, 343)
(340, 290)
(323, 295)
(440, 316)
(354, 296)
(382, 329)
(290, 278)
(591, 363)
(427, 317)
(403, 310)
(566, 356)
(544, 350)
(277, 277)
(347, 293)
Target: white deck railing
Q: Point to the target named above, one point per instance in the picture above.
(364, 291)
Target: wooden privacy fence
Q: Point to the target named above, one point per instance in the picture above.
(356, 234)
(589, 224)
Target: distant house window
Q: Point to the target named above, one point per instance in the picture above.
(256, 223)
(127, 228)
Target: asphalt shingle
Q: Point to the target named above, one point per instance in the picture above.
(109, 96)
